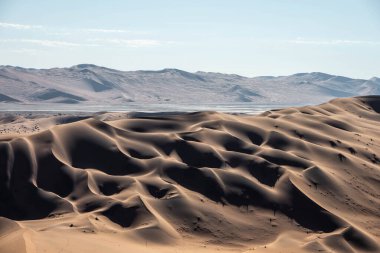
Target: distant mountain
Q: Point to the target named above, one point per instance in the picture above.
(91, 84)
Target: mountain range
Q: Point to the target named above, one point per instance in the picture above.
(91, 84)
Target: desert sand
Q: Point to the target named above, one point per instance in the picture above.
(303, 179)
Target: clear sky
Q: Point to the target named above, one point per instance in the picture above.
(247, 37)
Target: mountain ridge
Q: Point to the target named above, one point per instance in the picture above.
(87, 65)
(92, 84)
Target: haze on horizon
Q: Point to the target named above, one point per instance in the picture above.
(249, 38)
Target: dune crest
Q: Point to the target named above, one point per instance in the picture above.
(307, 179)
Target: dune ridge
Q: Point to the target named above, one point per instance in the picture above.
(304, 179)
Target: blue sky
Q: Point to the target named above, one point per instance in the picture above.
(247, 37)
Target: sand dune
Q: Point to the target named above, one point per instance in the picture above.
(294, 180)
